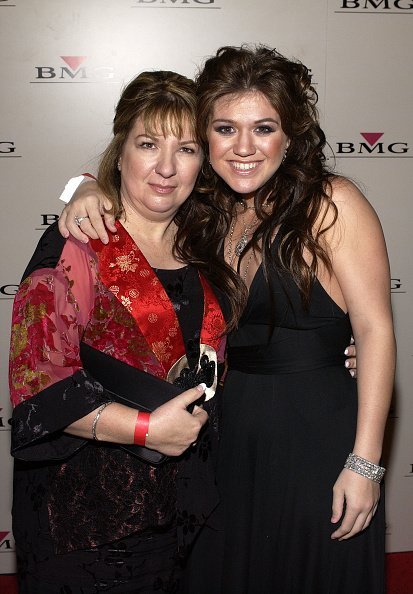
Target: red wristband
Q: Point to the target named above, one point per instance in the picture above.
(141, 428)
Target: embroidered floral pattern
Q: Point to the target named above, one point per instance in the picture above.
(40, 339)
(150, 305)
(126, 263)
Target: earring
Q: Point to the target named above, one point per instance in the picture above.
(119, 168)
(285, 155)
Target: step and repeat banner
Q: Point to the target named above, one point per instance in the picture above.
(63, 65)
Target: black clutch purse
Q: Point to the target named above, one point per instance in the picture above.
(132, 387)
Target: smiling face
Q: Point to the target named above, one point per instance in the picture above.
(158, 172)
(246, 141)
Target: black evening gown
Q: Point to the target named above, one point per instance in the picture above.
(289, 421)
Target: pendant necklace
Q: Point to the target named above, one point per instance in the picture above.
(242, 242)
(240, 246)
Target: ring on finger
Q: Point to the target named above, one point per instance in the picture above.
(78, 220)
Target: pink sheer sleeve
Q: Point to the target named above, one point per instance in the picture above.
(50, 312)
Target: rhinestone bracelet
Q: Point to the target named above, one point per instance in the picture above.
(96, 419)
(372, 471)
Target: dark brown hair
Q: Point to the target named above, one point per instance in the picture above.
(166, 102)
(300, 189)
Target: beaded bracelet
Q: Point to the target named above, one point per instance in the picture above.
(372, 471)
(96, 419)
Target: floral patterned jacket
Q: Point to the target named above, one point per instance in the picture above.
(86, 493)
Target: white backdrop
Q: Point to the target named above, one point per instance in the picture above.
(63, 64)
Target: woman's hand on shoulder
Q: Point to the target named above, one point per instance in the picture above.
(355, 500)
(89, 202)
(172, 429)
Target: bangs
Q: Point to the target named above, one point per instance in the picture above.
(168, 120)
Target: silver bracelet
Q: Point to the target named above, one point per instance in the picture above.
(96, 419)
(372, 471)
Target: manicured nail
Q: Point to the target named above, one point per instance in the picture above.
(346, 351)
(352, 373)
(201, 387)
(346, 363)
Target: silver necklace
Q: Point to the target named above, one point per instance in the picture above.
(246, 207)
(240, 246)
(243, 240)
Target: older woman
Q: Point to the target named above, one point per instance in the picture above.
(96, 332)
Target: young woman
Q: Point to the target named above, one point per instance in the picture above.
(311, 251)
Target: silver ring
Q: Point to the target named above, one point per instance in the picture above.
(78, 220)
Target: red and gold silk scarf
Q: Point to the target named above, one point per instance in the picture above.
(125, 271)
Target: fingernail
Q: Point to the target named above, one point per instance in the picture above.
(352, 373)
(201, 387)
(346, 363)
(346, 351)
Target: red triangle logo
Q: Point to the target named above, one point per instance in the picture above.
(74, 61)
(372, 137)
(3, 535)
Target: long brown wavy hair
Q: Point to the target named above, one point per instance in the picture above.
(166, 102)
(300, 190)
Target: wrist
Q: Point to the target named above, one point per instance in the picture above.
(96, 419)
(373, 454)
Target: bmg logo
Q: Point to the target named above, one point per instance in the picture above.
(373, 145)
(175, 3)
(6, 542)
(396, 285)
(5, 423)
(8, 148)
(8, 291)
(74, 71)
(377, 5)
(47, 219)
